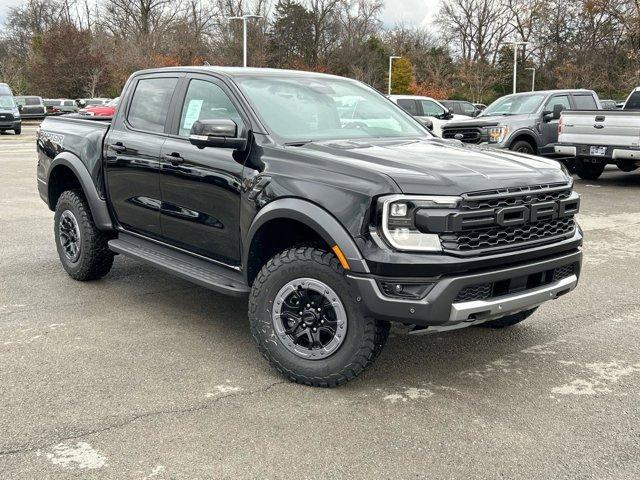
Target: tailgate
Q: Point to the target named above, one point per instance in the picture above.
(601, 127)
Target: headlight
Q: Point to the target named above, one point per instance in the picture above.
(398, 221)
(497, 134)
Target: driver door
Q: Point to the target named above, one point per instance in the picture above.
(549, 128)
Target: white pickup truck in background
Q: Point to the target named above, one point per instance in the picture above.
(596, 138)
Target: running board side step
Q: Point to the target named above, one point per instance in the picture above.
(199, 271)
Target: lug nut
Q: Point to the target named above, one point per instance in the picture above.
(314, 329)
(304, 325)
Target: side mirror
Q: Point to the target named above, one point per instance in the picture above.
(557, 111)
(476, 113)
(221, 133)
(427, 123)
(449, 114)
(20, 108)
(554, 114)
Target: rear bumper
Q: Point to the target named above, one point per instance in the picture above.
(441, 309)
(614, 153)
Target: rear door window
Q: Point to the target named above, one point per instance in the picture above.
(585, 102)
(633, 103)
(408, 105)
(150, 103)
(32, 101)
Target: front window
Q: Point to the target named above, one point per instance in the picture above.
(432, 109)
(31, 101)
(6, 101)
(317, 108)
(514, 105)
(633, 103)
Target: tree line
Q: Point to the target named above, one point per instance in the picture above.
(77, 48)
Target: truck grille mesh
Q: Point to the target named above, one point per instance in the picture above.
(496, 237)
(513, 201)
(469, 135)
(479, 291)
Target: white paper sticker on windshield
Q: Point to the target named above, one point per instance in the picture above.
(193, 113)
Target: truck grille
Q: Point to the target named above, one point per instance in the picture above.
(6, 117)
(466, 135)
(488, 221)
(506, 236)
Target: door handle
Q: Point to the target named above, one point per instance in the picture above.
(117, 147)
(174, 158)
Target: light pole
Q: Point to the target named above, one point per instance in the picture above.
(515, 60)
(533, 79)
(391, 58)
(244, 19)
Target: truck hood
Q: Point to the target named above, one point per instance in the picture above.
(488, 121)
(439, 167)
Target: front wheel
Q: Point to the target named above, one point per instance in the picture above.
(17, 131)
(522, 146)
(82, 248)
(589, 171)
(307, 321)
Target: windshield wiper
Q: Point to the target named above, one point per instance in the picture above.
(298, 143)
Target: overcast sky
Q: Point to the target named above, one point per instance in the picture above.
(411, 12)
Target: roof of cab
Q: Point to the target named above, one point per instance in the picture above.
(240, 71)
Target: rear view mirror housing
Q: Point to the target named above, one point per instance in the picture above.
(219, 132)
(554, 114)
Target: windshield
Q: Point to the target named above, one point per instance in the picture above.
(514, 105)
(300, 109)
(6, 101)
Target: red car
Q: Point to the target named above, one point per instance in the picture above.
(106, 110)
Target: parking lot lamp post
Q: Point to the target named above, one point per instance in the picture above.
(515, 60)
(391, 58)
(533, 79)
(244, 19)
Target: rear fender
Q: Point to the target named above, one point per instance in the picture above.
(97, 205)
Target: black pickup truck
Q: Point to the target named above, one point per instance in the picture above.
(327, 205)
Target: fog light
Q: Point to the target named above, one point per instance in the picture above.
(414, 290)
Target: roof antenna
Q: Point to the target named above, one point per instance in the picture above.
(206, 64)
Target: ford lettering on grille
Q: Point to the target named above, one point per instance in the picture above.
(518, 215)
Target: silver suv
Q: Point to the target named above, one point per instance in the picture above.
(523, 122)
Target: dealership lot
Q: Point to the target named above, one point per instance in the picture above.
(143, 375)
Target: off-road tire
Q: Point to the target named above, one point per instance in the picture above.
(522, 146)
(17, 131)
(95, 259)
(509, 320)
(363, 341)
(589, 171)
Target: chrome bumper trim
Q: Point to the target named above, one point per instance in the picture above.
(482, 310)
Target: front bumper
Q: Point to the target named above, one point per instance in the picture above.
(10, 125)
(440, 309)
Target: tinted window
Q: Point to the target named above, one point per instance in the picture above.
(634, 102)
(409, 106)
(68, 103)
(32, 101)
(585, 102)
(51, 103)
(150, 103)
(558, 100)
(467, 108)
(431, 108)
(206, 101)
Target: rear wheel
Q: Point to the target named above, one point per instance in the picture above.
(509, 320)
(82, 248)
(522, 146)
(589, 171)
(307, 321)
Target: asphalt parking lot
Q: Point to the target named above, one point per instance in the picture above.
(142, 375)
